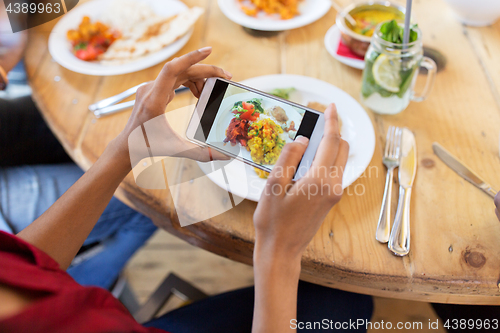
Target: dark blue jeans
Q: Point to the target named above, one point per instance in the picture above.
(233, 311)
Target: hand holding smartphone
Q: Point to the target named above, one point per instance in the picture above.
(253, 126)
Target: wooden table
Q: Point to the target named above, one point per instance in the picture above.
(455, 255)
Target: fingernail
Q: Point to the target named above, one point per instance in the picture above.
(302, 139)
(228, 75)
(205, 49)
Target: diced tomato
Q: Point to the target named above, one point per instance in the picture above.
(248, 115)
(100, 40)
(248, 106)
(83, 55)
(89, 53)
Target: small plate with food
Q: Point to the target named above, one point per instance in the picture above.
(282, 119)
(274, 15)
(348, 43)
(112, 37)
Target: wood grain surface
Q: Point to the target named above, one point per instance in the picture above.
(455, 255)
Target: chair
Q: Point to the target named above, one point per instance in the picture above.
(171, 285)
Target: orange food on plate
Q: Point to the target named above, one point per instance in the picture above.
(237, 132)
(91, 40)
(287, 9)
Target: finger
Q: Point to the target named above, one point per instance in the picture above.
(202, 72)
(342, 157)
(193, 87)
(202, 154)
(329, 146)
(167, 78)
(214, 155)
(498, 214)
(287, 164)
(200, 84)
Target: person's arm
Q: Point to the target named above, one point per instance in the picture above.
(12, 45)
(62, 229)
(287, 218)
(276, 283)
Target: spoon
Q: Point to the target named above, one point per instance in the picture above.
(347, 16)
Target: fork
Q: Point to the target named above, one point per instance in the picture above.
(391, 161)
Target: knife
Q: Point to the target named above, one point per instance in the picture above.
(109, 105)
(462, 170)
(399, 239)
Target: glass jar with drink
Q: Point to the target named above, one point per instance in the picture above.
(391, 69)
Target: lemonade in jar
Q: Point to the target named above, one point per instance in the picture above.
(391, 69)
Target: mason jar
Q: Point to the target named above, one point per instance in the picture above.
(390, 73)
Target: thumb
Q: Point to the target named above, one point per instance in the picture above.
(287, 164)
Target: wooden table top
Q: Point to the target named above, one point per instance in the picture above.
(455, 254)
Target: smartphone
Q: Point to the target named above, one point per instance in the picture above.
(253, 126)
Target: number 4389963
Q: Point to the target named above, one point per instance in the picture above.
(33, 8)
(471, 324)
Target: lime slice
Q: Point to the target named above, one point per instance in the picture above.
(386, 73)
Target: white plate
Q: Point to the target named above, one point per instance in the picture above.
(332, 39)
(310, 11)
(60, 47)
(357, 130)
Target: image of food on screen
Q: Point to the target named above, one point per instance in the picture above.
(260, 125)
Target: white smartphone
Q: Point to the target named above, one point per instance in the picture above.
(253, 126)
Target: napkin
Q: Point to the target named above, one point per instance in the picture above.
(344, 51)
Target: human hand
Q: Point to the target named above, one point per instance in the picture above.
(152, 99)
(12, 48)
(289, 215)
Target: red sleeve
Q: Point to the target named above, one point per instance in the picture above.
(61, 305)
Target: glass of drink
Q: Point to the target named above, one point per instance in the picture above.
(390, 73)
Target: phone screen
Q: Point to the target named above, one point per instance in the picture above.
(252, 125)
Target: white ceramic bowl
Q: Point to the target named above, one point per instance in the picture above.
(476, 12)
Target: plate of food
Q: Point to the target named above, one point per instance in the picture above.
(112, 37)
(274, 15)
(355, 127)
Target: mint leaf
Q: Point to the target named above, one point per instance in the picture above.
(406, 80)
(393, 33)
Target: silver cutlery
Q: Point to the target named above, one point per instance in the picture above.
(109, 105)
(462, 170)
(112, 109)
(399, 239)
(391, 161)
(339, 10)
(116, 98)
